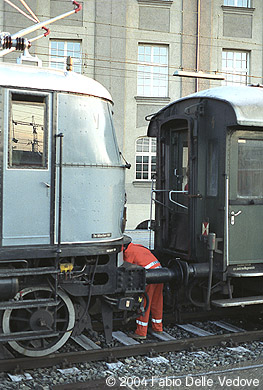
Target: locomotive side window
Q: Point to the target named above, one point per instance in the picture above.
(27, 132)
(250, 168)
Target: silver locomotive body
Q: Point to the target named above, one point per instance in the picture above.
(62, 206)
(38, 105)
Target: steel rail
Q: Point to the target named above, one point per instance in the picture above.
(110, 354)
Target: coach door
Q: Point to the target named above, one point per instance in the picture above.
(178, 188)
(245, 189)
(26, 170)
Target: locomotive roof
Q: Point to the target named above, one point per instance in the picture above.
(25, 76)
(247, 102)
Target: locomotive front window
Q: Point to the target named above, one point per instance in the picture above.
(250, 168)
(27, 139)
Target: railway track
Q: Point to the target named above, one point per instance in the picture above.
(195, 337)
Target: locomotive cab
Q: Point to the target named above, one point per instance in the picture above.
(210, 180)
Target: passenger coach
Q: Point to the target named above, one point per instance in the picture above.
(209, 194)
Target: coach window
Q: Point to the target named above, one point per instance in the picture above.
(27, 133)
(250, 168)
(212, 168)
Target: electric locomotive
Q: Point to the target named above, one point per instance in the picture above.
(209, 196)
(62, 202)
(62, 210)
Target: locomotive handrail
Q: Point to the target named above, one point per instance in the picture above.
(58, 252)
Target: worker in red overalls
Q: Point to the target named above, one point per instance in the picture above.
(139, 255)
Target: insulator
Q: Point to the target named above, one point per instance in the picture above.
(7, 42)
(20, 44)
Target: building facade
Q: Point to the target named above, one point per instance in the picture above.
(133, 47)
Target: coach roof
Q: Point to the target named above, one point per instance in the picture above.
(246, 101)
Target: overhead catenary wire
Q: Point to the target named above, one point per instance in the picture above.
(133, 62)
(86, 57)
(179, 34)
(153, 41)
(128, 72)
(171, 78)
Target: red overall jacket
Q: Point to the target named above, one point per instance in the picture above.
(139, 255)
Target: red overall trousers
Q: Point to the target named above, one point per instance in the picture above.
(139, 255)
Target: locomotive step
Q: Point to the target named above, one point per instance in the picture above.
(30, 335)
(27, 304)
(27, 271)
(245, 301)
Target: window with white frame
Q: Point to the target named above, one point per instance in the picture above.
(60, 50)
(238, 3)
(235, 65)
(152, 78)
(145, 158)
